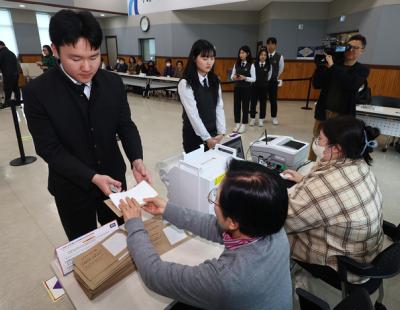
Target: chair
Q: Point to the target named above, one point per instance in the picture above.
(391, 231)
(358, 300)
(385, 265)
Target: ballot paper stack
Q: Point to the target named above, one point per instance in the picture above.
(109, 261)
(103, 265)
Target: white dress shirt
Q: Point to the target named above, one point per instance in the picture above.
(189, 104)
(281, 66)
(251, 78)
(88, 85)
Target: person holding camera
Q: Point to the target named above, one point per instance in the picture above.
(339, 84)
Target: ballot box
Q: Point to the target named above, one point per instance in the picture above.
(190, 177)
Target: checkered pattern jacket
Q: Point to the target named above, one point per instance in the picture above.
(335, 210)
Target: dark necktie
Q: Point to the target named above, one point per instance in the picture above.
(205, 85)
(262, 66)
(81, 88)
(243, 64)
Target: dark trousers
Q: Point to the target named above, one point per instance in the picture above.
(10, 85)
(272, 95)
(78, 215)
(325, 273)
(258, 94)
(241, 102)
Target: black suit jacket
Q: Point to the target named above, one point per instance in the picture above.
(351, 81)
(76, 136)
(8, 63)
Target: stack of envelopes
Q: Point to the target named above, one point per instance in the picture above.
(103, 265)
(109, 261)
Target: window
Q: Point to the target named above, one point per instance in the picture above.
(148, 49)
(7, 34)
(43, 21)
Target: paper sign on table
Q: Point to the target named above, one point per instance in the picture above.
(173, 234)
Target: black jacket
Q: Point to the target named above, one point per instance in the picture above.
(76, 136)
(351, 81)
(8, 63)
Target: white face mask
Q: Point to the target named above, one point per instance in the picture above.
(318, 150)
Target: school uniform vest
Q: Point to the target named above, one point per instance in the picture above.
(262, 74)
(243, 71)
(206, 103)
(274, 61)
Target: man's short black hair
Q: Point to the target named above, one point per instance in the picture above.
(254, 197)
(67, 27)
(359, 37)
(2, 43)
(272, 40)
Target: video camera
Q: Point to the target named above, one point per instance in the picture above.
(333, 47)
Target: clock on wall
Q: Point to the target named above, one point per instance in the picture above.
(145, 24)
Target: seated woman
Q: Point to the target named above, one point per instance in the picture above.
(48, 60)
(252, 271)
(336, 209)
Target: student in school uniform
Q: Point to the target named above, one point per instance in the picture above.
(244, 74)
(201, 97)
(260, 87)
(277, 66)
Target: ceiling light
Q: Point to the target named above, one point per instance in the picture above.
(102, 15)
(22, 5)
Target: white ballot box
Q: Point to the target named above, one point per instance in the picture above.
(189, 178)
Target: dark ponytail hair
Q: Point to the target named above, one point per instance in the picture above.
(352, 135)
(249, 58)
(205, 49)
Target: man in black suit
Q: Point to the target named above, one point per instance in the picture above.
(9, 70)
(339, 84)
(74, 112)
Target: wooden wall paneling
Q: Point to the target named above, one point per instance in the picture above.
(383, 80)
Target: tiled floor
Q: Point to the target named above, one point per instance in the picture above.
(30, 228)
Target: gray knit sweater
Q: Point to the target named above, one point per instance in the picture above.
(254, 276)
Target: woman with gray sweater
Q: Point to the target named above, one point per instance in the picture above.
(252, 272)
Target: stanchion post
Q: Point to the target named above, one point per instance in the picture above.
(22, 160)
(308, 96)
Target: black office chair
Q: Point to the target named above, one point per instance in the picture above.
(358, 300)
(385, 265)
(392, 231)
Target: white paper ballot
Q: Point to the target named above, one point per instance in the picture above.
(139, 192)
(116, 243)
(174, 234)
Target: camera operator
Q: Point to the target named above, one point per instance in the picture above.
(339, 84)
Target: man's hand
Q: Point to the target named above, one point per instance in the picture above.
(329, 61)
(242, 77)
(104, 182)
(292, 175)
(155, 206)
(130, 209)
(140, 172)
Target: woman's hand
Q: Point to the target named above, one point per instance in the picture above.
(154, 206)
(130, 209)
(292, 175)
(211, 142)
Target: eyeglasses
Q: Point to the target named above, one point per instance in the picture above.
(212, 196)
(352, 47)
